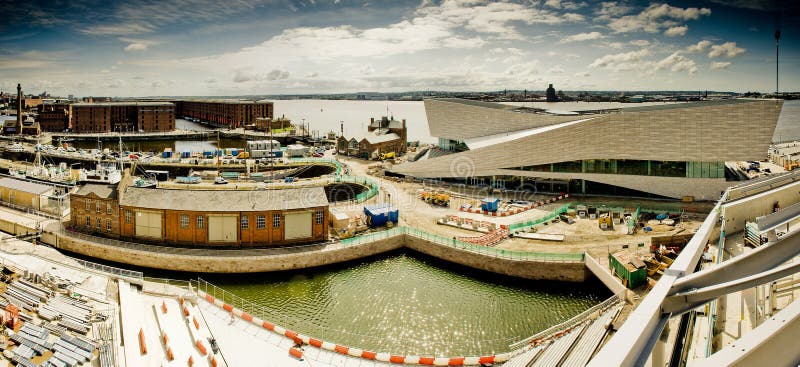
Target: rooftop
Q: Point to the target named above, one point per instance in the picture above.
(101, 191)
(24, 186)
(121, 103)
(224, 200)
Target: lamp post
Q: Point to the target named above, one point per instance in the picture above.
(777, 59)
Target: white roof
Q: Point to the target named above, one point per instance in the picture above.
(25, 186)
(485, 141)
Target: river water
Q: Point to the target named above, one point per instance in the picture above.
(407, 303)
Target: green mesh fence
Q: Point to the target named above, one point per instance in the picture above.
(531, 223)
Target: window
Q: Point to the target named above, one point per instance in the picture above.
(99, 223)
(108, 225)
(127, 216)
(261, 222)
(245, 222)
(184, 221)
(88, 222)
(97, 206)
(200, 222)
(108, 208)
(318, 217)
(276, 221)
(88, 205)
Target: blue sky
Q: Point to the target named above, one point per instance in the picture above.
(236, 47)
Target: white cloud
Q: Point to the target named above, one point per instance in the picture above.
(242, 76)
(569, 5)
(655, 18)
(676, 31)
(556, 70)
(727, 49)
(611, 9)
(581, 37)
(677, 62)
(699, 46)
(716, 65)
(137, 44)
(119, 29)
(632, 60)
(614, 45)
(640, 43)
(582, 74)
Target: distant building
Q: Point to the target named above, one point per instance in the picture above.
(227, 112)
(12, 127)
(123, 116)
(267, 123)
(383, 136)
(31, 195)
(54, 117)
(551, 94)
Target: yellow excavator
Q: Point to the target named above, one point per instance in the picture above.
(386, 156)
(435, 198)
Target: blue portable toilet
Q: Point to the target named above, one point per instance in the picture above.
(380, 214)
(167, 153)
(490, 204)
(186, 154)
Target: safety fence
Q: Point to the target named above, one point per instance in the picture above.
(569, 324)
(332, 162)
(372, 187)
(285, 325)
(348, 242)
(532, 223)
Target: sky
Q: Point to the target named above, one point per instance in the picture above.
(269, 47)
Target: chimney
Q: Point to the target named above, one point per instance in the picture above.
(19, 108)
(341, 126)
(371, 120)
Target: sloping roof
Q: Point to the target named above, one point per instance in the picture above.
(225, 200)
(25, 186)
(375, 139)
(102, 191)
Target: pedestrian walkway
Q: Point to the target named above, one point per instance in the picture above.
(243, 342)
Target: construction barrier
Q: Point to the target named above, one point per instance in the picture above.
(354, 352)
(142, 344)
(478, 210)
(297, 353)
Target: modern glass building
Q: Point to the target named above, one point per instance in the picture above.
(670, 150)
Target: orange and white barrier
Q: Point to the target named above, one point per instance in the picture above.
(355, 352)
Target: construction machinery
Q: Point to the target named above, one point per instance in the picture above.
(386, 156)
(791, 166)
(438, 198)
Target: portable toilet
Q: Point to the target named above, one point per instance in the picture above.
(186, 154)
(167, 153)
(235, 152)
(490, 204)
(380, 214)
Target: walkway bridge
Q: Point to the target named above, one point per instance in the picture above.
(642, 338)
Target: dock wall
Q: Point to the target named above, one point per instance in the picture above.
(324, 254)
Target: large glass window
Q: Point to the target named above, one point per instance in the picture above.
(200, 222)
(668, 169)
(245, 222)
(184, 221)
(631, 167)
(600, 166)
(570, 167)
(276, 221)
(127, 216)
(318, 217)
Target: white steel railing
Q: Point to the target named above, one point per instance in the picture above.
(577, 319)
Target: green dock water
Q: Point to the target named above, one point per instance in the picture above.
(407, 303)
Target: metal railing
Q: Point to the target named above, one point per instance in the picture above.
(575, 320)
(320, 160)
(30, 211)
(366, 195)
(348, 242)
(119, 272)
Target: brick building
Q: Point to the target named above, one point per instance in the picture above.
(227, 112)
(54, 117)
(383, 136)
(123, 116)
(205, 218)
(94, 209)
